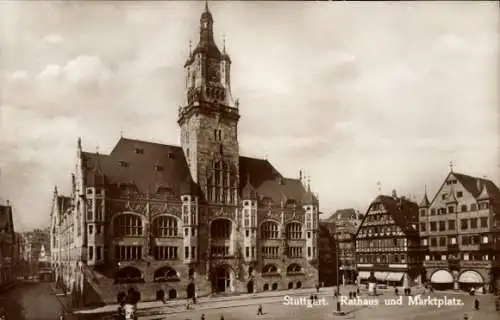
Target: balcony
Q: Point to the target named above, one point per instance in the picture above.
(476, 264)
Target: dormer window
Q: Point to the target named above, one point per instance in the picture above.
(139, 151)
(158, 167)
(170, 155)
(123, 164)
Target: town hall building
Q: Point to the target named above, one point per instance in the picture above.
(188, 220)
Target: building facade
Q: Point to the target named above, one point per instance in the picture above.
(33, 243)
(328, 259)
(347, 222)
(194, 219)
(387, 243)
(460, 228)
(7, 245)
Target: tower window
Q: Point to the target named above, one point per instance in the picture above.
(123, 164)
(215, 134)
(139, 151)
(220, 135)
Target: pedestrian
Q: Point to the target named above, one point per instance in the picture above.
(317, 288)
(396, 291)
(357, 289)
(221, 317)
(350, 295)
(476, 304)
(202, 316)
(259, 310)
(497, 304)
(466, 317)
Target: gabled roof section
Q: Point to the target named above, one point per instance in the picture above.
(402, 211)
(146, 165)
(475, 185)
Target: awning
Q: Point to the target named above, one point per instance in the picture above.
(363, 275)
(441, 276)
(470, 277)
(381, 276)
(395, 276)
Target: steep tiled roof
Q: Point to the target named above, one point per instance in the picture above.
(403, 211)
(475, 185)
(149, 166)
(343, 214)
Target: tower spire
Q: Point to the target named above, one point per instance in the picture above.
(223, 44)
(206, 6)
(451, 166)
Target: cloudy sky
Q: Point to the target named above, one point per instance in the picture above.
(353, 93)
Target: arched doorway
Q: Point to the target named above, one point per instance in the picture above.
(290, 285)
(442, 280)
(190, 290)
(266, 287)
(172, 294)
(299, 285)
(221, 280)
(128, 275)
(274, 286)
(160, 295)
(250, 286)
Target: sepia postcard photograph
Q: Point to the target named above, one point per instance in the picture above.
(234, 160)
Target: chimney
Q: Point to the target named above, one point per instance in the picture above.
(394, 194)
(478, 185)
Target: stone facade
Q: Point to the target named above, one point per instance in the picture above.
(197, 219)
(460, 231)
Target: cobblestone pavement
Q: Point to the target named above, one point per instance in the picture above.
(274, 308)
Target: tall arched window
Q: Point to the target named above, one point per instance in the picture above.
(128, 225)
(269, 230)
(221, 183)
(294, 230)
(165, 226)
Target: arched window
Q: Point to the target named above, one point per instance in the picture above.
(269, 230)
(269, 268)
(220, 229)
(294, 230)
(165, 274)
(221, 182)
(293, 268)
(128, 275)
(165, 226)
(128, 225)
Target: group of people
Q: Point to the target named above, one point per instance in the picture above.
(128, 304)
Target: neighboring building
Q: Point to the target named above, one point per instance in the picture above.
(33, 243)
(328, 260)
(387, 242)
(460, 228)
(347, 222)
(7, 245)
(191, 219)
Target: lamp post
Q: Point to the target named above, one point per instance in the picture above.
(338, 311)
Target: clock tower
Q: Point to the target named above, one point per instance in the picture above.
(209, 118)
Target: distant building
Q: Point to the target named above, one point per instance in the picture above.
(33, 243)
(7, 245)
(387, 242)
(327, 255)
(460, 228)
(347, 222)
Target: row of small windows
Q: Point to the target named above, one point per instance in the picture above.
(465, 224)
(451, 209)
(380, 230)
(99, 209)
(219, 251)
(391, 243)
(393, 258)
(128, 253)
(270, 252)
(166, 253)
(465, 240)
(462, 256)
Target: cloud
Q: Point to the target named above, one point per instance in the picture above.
(18, 75)
(52, 39)
(85, 69)
(51, 71)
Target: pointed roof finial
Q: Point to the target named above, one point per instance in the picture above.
(79, 143)
(121, 133)
(190, 47)
(206, 6)
(55, 189)
(309, 183)
(96, 149)
(300, 174)
(425, 189)
(224, 44)
(451, 166)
